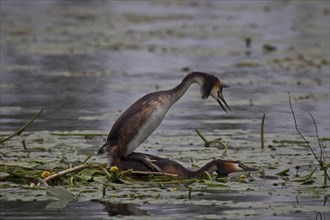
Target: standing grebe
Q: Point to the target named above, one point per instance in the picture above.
(221, 167)
(137, 123)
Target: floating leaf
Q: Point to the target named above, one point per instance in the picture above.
(87, 174)
(60, 193)
(213, 183)
(306, 178)
(283, 172)
(64, 197)
(308, 182)
(289, 141)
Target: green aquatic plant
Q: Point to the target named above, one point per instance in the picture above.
(306, 178)
(283, 172)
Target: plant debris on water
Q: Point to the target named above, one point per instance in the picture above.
(87, 61)
(51, 166)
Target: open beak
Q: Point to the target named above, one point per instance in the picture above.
(221, 100)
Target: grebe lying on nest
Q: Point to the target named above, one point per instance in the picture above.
(221, 167)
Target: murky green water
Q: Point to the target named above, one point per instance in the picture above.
(86, 62)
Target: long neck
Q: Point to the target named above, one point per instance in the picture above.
(181, 89)
(185, 173)
(209, 167)
(170, 166)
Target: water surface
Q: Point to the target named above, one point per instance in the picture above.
(87, 61)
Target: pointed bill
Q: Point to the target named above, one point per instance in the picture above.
(221, 100)
(244, 167)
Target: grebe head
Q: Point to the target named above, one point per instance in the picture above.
(228, 166)
(213, 87)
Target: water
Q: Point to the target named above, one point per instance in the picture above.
(87, 62)
(77, 62)
(109, 210)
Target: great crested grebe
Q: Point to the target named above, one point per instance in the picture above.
(137, 123)
(221, 167)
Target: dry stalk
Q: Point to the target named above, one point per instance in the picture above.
(21, 129)
(64, 172)
(319, 160)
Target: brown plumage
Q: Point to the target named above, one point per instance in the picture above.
(138, 122)
(221, 167)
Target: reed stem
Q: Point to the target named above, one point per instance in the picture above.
(262, 142)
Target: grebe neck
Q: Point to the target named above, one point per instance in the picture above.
(178, 91)
(209, 167)
(181, 171)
